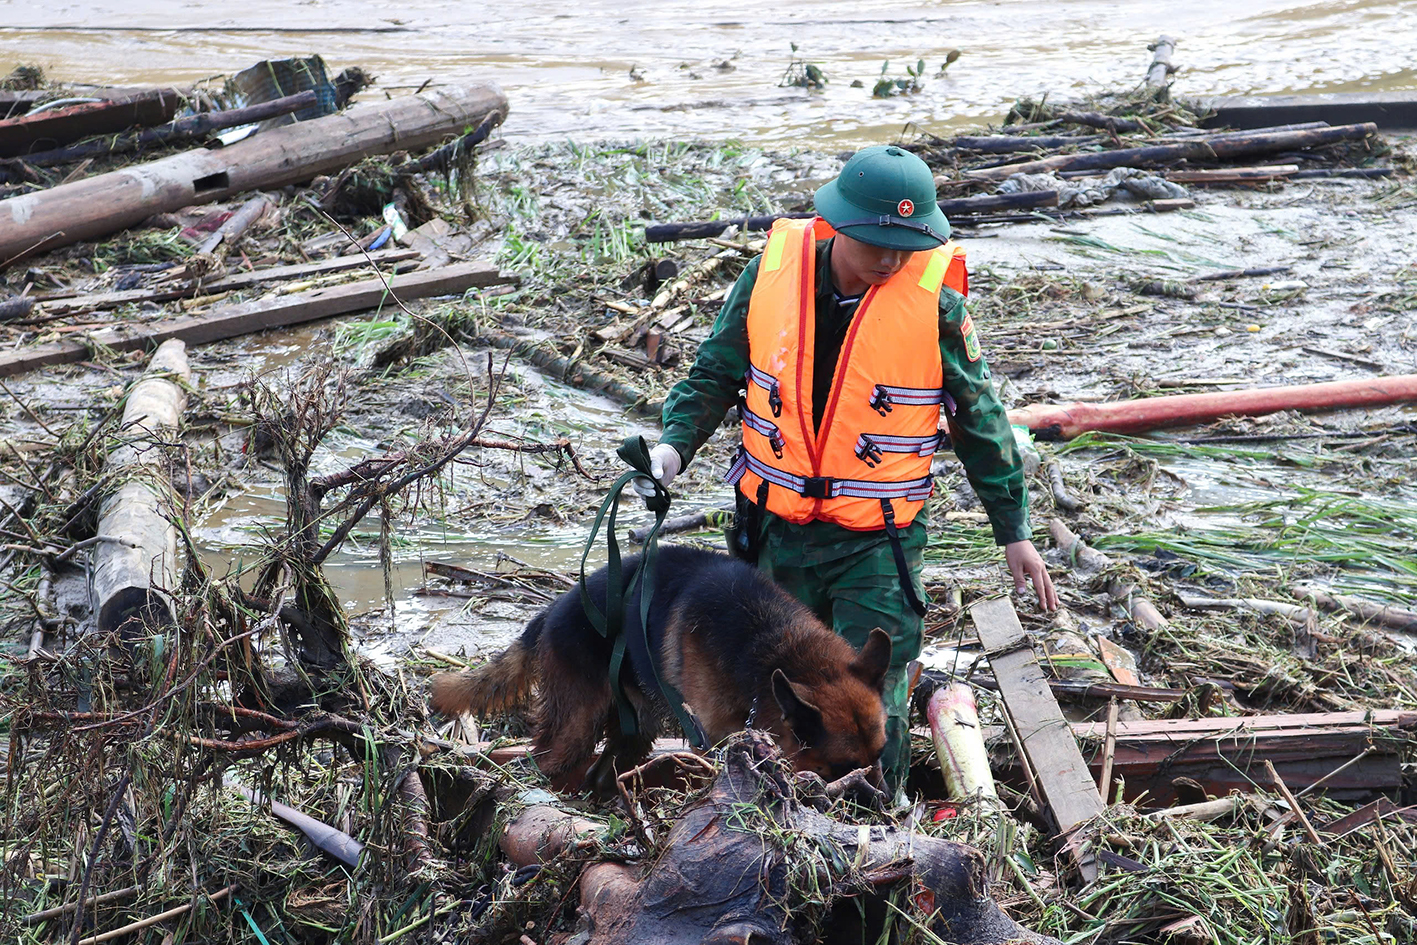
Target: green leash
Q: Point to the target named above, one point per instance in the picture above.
(610, 623)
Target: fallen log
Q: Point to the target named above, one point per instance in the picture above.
(1209, 148)
(183, 129)
(1106, 122)
(1065, 421)
(1088, 560)
(1367, 611)
(1227, 754)
(16, 307)
(19, 136)
(963, 206)
(249, 317)
(723, 874)
(135, 563)
(572, 371)
(694, 521)
(1006, 144)
(101, 205)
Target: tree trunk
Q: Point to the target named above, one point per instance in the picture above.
(99, 206)
(135, 563)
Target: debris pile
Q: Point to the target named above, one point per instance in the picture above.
(1213, 740)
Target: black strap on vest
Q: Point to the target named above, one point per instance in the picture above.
(610, 624)
(906, 585)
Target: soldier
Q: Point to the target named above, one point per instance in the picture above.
(847, 336)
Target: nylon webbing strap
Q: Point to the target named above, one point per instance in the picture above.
(610, 622)
(906, 585)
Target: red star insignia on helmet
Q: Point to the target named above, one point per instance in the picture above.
(905, 208)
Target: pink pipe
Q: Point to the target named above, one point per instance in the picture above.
(1065, 421)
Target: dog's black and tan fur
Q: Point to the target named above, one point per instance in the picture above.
(740, 650)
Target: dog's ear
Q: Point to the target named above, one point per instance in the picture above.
(803, 718)
(874, 660)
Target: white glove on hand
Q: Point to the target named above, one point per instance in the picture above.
(664, 464)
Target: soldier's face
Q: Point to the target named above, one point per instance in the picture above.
(856, 265)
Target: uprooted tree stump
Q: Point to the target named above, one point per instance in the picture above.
(751, 862)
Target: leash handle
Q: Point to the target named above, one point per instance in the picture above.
(610, 622)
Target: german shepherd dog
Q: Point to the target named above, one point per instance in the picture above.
(740, 650)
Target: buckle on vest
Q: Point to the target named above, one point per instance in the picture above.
(868, 452)
(775, 401)
(881, 400)
(817, 487)
(777, 443)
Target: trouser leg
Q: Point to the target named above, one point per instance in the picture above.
(854, 595)
(866, 594)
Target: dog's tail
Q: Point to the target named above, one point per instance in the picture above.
(498, 686)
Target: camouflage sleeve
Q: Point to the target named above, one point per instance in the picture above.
(980, 429)
(697, 405)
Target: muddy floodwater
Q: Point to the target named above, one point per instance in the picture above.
(653, 68)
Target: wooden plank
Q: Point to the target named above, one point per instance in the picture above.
(1047, 741)
(1189, 729)
(77, 302)
(249, 317)
(1384, 109)
(1229, 175)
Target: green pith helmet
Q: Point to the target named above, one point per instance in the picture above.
(885, 196)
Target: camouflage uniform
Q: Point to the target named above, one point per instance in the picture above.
(849, 577)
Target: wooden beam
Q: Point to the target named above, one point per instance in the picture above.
(1384, 109)
(249, 317)
(71, 301)
(1046, 740)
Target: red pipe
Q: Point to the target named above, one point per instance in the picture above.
(1065, 421)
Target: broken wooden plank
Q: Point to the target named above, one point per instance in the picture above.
(106, 203)
(51, 128)
(1227, 754)
(1046, 740)
(74, 302)
(249, 317)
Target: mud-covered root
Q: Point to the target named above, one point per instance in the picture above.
(749, 862)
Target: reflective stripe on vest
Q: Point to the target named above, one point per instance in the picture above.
(871, 447)
(887, 388)
(819, 487)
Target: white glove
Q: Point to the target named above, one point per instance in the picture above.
(664, 465)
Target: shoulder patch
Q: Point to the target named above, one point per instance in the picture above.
(971, 337)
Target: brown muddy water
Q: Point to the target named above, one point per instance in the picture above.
(672, 68)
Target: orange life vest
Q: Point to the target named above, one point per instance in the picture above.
(869, 466)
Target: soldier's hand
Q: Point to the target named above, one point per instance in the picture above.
(664, 465)
(1025, 563)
